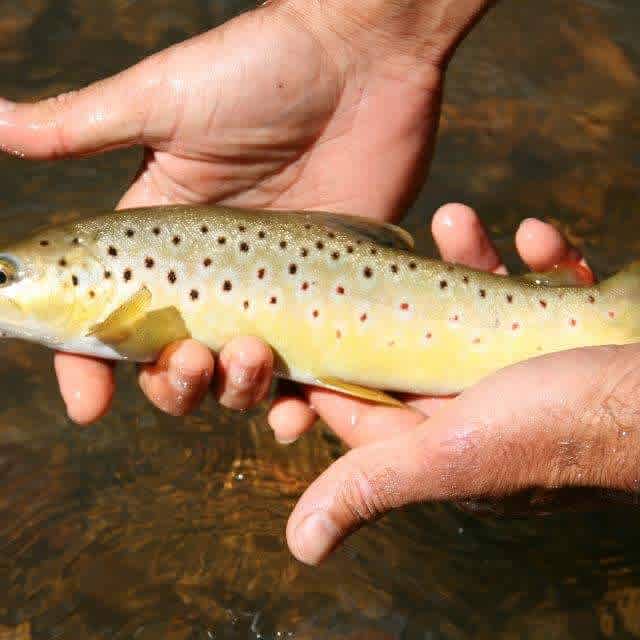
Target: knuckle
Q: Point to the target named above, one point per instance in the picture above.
(364, 496)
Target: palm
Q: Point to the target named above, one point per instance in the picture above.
(301, 131)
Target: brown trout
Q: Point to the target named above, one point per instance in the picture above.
(343, 301)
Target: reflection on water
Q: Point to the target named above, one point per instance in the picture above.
(149, 527)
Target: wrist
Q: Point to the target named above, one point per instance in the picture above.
(419, 31)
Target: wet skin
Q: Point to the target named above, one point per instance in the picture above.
(334, 147)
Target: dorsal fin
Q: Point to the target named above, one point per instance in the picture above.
(382, 233)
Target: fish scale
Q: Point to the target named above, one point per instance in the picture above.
(338, 299)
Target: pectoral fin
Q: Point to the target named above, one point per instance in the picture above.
(153, 333)
(364, 393)
(137, 333)
(119, 323)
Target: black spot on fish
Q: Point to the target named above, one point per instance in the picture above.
(367, 272)
(373, 251)
(207, 262)
(226, 285)
(413, 266)
(394, 268)
(112, 251)
(509, 298)
(156, 231)
(75, 241)
(244, 247)
(592, 299)
(221, 239)
(171, 276)
(74, 279)
(304, 252)
(107, 275)
(335, 255)
(176, 240)
(330, 234)
(465, 279)
(204, 229)
(193, 294)
(245, 305)
(148, 262)
(242, 228)
(483, 293)
(443, 284)
(127, 275)
(283, 244)
(273, 300)
(320, 245)
(92, 293)
(261, 273)
(307, 226)
(261, 234)
(129, 233)
(349, 248)
(62, 262)
(293, 268)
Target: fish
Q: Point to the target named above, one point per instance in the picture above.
(344, 302)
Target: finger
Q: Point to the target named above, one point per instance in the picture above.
(461, 237)
(87, 386)
(290, 417)
(357, 422)
(178, 381)
(245, 371)
(543, 247)
(108, 114)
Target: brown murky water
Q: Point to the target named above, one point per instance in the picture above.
(149, 527)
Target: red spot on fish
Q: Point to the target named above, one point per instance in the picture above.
(304, 286)
(338, 334)
(363, 317)
(428, 335)
(515, 326)
(315, 313)
(404, 306)
(572, 322)
(454, 318)
(261, 273)
(476, 341)
(612, 314)
(340, 290)
(543, 304)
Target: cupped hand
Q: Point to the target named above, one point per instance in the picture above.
(560, 420)
(269, 110)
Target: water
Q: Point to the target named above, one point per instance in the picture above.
(148, 527)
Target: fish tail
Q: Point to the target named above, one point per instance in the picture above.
(622, 293)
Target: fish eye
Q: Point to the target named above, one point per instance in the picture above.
(8, 272)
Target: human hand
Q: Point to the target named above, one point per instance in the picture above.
(273, 109)
(560, 420)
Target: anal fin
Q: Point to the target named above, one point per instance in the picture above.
(357, 391)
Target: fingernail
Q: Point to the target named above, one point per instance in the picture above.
(315, 536)
(183, 377)
(7, 105)
(285, 441)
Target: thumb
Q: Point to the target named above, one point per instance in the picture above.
(550, 421)
(108, 114)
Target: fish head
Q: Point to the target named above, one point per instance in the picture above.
(52, 288)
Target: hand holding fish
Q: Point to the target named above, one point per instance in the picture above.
(232, 116)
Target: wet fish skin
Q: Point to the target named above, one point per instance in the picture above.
(333, 301)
